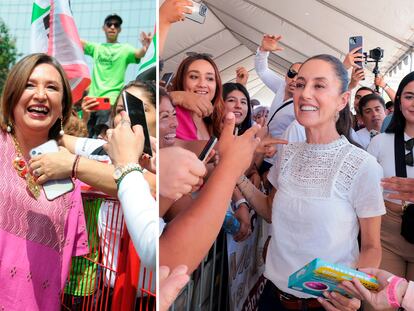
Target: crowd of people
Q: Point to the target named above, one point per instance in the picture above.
(330, 184)
(320, 188)
(43, 228)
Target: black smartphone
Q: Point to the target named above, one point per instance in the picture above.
(354, 42)
(134, 107)
(167, 78)
(207, 148)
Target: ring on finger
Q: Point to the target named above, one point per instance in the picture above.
(36, 172)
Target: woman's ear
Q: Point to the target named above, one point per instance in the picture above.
(345, 96)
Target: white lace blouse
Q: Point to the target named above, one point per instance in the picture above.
(322, 190)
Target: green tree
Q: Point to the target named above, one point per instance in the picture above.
(8, 52)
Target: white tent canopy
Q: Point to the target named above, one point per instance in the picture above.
(233, 31)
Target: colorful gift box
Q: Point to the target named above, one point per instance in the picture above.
(319, 276)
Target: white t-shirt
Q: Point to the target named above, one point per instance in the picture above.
(286, 115)
(382, 148)
(322, 190)
(364, 137)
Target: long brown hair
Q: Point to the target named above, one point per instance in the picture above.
(16, 84)
(215, 121)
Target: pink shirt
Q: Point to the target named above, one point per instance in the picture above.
(186, 129)
(37, 240)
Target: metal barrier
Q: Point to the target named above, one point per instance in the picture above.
(208, 285)
(108, 277)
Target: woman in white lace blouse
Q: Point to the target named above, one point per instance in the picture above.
(327, 190)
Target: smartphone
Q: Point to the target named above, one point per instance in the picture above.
(52, 188)
(207, 148)
(355, 42)
(103, 103)
(199, 12)
(167, 78)
(134, 107)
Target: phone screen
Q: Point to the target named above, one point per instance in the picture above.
(166, 78)
(136, 112)
(355, 42)
(207, 148)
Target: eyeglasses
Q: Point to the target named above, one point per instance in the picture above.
(291, 73)
(195, 54)
(115, 24)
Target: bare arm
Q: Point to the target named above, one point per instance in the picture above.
(261, 203)
(171, 11)
(370, 255)
(197, 227)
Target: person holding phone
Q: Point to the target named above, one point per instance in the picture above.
(325, 191)
(38, 237)
(107, 80)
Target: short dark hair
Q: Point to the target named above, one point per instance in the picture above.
(365, 88)
(367, 98)
(397, 124)
(389, 104)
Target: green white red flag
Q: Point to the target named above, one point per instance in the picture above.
(53, 31)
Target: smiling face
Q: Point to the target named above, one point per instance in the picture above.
(149, 108)
(40, 104)
(200, 78)
(237, 103)
(318, 98)
(407, 103)
(167, 123)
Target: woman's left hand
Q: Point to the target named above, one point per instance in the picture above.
(51, 166)
(339, 302)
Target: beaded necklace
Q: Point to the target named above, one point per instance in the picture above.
(20, 165)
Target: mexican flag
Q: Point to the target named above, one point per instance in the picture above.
(53, 31)
(147, 66)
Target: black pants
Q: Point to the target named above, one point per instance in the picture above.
(269, 302)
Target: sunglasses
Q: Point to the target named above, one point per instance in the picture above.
(110, 24)
(291, 73)
(195, 54)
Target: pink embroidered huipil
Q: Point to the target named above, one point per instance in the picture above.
(37, 240)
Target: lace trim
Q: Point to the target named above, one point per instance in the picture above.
(313, 171)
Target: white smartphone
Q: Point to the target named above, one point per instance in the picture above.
(53, 188)
(199, 12)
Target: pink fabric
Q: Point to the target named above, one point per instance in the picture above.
(186, 129)
(37, 240)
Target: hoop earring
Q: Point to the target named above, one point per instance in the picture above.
(61, 132)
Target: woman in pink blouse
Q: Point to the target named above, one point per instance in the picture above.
(38, 237)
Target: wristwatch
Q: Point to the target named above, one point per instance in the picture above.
(121, 171)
